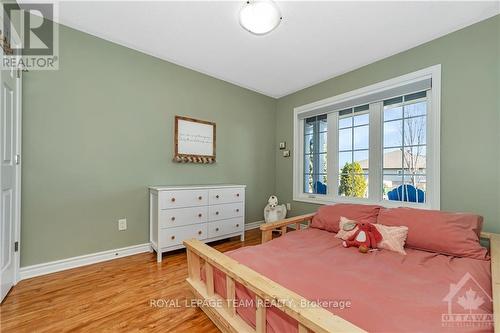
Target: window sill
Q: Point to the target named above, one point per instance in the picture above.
(320, 199)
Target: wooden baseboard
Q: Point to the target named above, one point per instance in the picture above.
(87, 259)
(254, 225)
(28, 272)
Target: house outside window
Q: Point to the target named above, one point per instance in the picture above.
(378, 144)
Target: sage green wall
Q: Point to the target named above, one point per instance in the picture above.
(99, 130)
(470, 116)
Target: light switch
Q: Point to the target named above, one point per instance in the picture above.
(122, 224)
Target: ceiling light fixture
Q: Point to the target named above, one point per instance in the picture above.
(260, 16)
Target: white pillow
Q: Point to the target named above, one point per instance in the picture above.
(393, 238)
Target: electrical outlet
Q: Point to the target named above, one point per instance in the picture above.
(288, 206)
(122, 224)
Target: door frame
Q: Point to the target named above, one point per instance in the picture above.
(18, 169)
(18, 166)
(17, 220)
(16, 43)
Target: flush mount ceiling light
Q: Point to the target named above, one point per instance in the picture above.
(260, 16)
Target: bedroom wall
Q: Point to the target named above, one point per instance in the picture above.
(470, 116)
(99, 130)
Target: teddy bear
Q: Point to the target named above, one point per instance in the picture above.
(274, 212)
(366, 237)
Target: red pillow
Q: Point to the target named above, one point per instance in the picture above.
(448, 233)
(328, 217)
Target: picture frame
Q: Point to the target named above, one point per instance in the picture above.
(194, 140)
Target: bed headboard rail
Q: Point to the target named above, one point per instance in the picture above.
(494, 240)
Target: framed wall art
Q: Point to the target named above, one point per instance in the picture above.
(194, 140)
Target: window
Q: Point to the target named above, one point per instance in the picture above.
(315, 158)
(378, 144)
(404, 154)
(353, 149)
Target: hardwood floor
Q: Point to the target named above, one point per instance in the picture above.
(117, 295)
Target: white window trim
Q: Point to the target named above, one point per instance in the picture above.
(433, 142)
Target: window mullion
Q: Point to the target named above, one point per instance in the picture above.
(300, 156)
(315, 152)
(375, 172)
(332, 153)
(432, 195)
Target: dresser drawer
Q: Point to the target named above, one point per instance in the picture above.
(226, 195)
(172, 218)
(225, 227)
(175, 236)
(226, 211)
(183, 198)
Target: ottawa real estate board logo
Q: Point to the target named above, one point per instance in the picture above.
(469, 305)
(29, 37)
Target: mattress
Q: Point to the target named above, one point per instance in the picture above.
(381, 291)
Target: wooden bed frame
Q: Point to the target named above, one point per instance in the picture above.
(314, 319)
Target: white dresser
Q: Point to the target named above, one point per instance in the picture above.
(205, 212)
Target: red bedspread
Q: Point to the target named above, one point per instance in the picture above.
(388, 292)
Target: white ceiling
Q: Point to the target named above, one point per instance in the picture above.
(315, 41)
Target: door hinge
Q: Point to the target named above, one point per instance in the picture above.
(18, 159)
(16, 246)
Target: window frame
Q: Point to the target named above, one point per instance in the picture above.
(376, 143)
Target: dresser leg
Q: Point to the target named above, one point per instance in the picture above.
(242, 237)
(158, 256)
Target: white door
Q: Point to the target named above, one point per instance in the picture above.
(9, 118)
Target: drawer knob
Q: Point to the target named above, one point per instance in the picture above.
(199, 232)
(172, 238)
(173, 199)
(217, 196)
(237, 209)
(200, 197)
(173, 218)
(237, 194)
(199, 215)
(216, 229)
(216, 213)
(237, 225)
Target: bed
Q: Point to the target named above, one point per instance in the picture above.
(306, 281)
